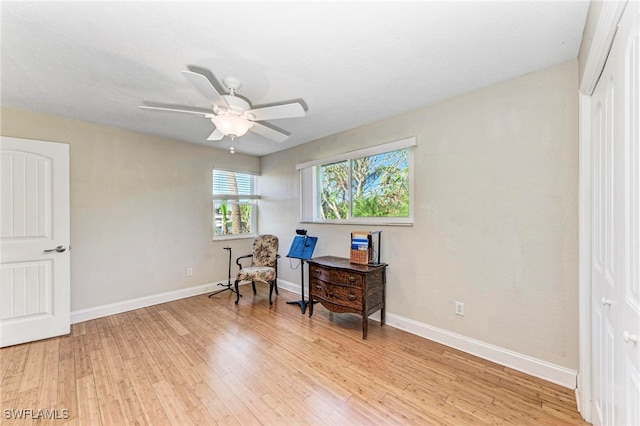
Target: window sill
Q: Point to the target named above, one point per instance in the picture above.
(234, 237)
(357, 222)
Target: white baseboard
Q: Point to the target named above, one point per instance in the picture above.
(141, 302)
(292, 287)
(517, 361)
(535, 367)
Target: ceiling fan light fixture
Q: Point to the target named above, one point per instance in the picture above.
(232, 125)
(233, 115)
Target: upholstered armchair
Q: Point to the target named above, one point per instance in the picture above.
(264, 265)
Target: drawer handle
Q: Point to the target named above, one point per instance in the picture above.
(352, 279)
(352, 297)
(318, 271)
(319, 287)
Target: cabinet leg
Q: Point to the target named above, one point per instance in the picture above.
(365, 326)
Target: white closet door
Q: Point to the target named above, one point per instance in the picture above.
(615, 230)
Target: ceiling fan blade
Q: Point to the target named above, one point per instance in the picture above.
(203, 84)
(186, 111)
(276, 112)
(268, 132)
(216, 135)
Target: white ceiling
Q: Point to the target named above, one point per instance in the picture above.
(348, 63)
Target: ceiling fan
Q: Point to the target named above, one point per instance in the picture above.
(232, 115)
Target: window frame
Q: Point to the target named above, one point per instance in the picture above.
(309, 185)
(239, 199)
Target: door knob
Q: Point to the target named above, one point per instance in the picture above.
(606, 302)
(630, 337)
(58, 249)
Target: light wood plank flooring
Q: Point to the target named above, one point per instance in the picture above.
(207, 361)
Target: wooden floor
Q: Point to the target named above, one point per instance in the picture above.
(207, 361)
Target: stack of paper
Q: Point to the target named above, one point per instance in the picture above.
(360, 247)
(359, 241)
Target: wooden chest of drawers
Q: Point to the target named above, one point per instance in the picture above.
(341, 286)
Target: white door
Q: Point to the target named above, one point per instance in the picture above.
(615, 254)
(604, 279)
(629, 30)
(35, 236)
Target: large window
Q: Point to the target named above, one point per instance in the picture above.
(235, 198)
(367, 186)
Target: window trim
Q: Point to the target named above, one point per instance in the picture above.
(235, 199)
(309, 185)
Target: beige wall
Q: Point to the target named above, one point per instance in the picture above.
(140, 209)
(496, 188)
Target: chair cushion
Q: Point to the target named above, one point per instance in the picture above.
(265, 250)
(257, 273)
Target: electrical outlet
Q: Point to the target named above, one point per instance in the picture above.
(189, 272)
(459, 308)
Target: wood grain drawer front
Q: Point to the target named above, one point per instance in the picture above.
(336, 276)
(338, 294)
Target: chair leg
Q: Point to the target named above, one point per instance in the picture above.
(275, 285)
(253, 284)
(271, 285)
(238, 295)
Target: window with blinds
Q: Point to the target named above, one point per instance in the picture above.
(235, 197)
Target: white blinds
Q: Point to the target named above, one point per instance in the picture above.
(234, 185)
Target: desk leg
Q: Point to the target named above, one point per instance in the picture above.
(365, 325)
(384, 295)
